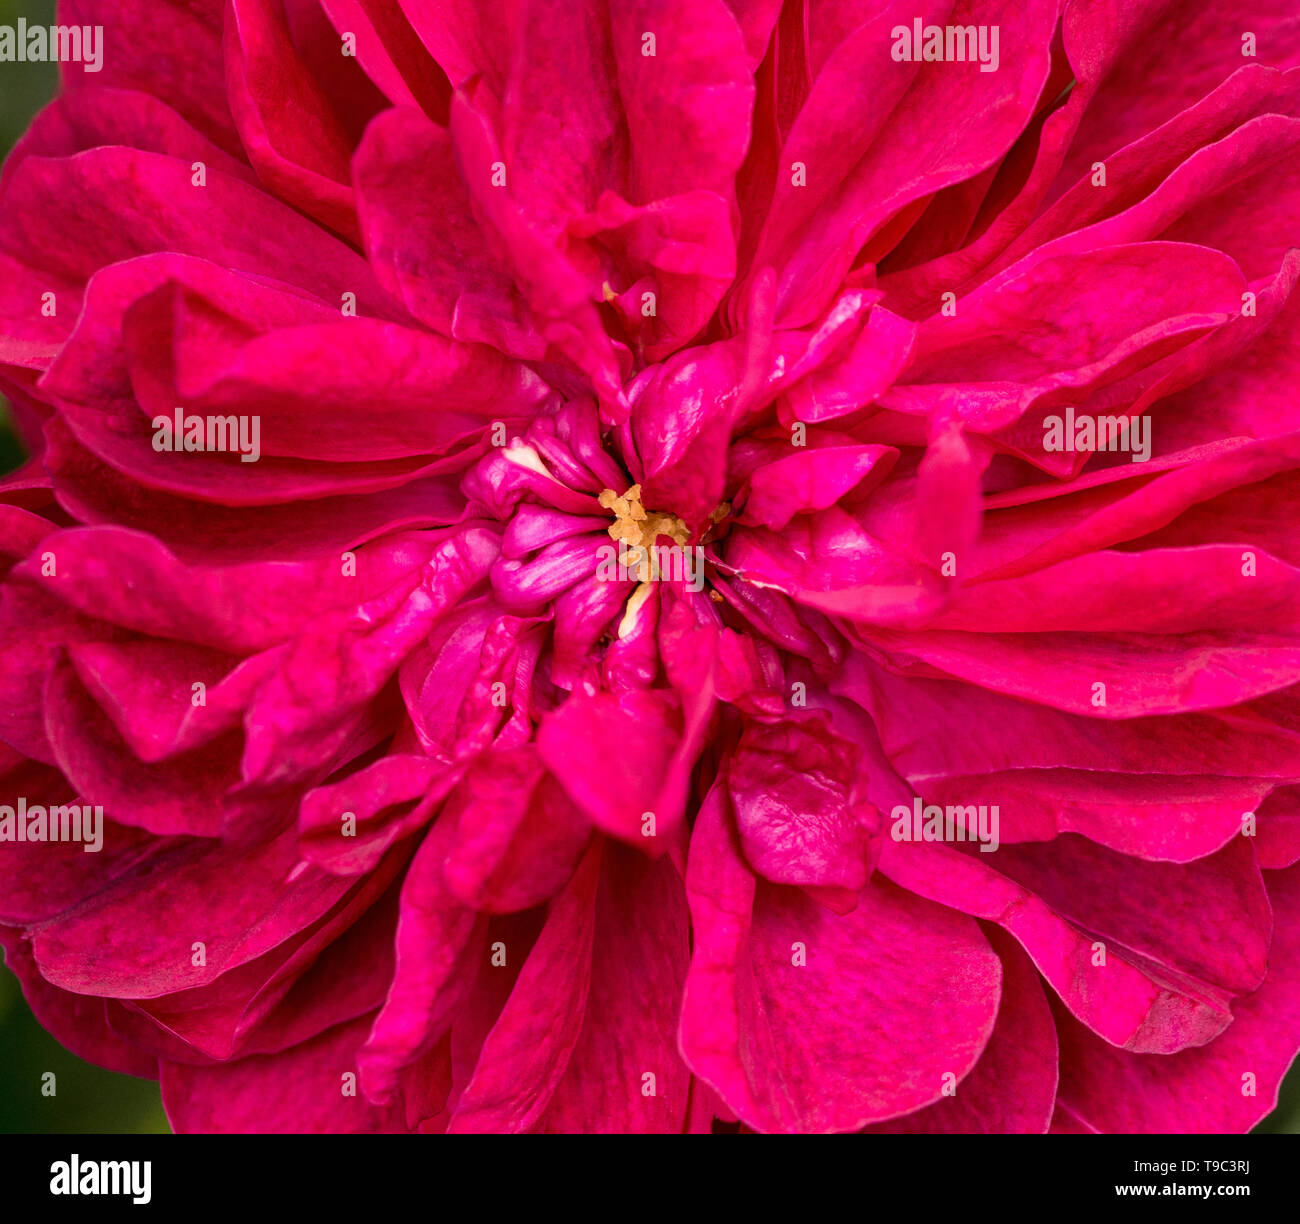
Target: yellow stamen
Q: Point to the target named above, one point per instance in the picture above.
(638, 528)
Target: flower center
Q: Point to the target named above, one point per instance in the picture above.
(636, 529)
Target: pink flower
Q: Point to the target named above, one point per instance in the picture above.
(533, 511)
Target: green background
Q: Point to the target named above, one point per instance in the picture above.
(88, 1099)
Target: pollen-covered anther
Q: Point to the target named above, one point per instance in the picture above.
(638, 529)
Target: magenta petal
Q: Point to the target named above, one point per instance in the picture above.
(112, 945)
(618, 797)
(216, 1020)
(89, 118)
(385, 802)
(154, 797)
(1200, 1091)
(247, 1096)
(313, 703)
(916, 152)
(812, 480)
(425, 247)
(800, 821)
(139, 189)
(77, 1020)
(1148, 993)
(291, 135)
(528, 1048)
(436, 938)
(688, 106)
(518, 837)
(777, 984)
(1012, 1089)
(171, 49)
(625, 1074)
(1279, 834)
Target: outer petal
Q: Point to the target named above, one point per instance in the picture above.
(1012, 1090)
(625, 1074)
(1202, 1091)
(784, 1043)
(304, 1090)
(526, 1052)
